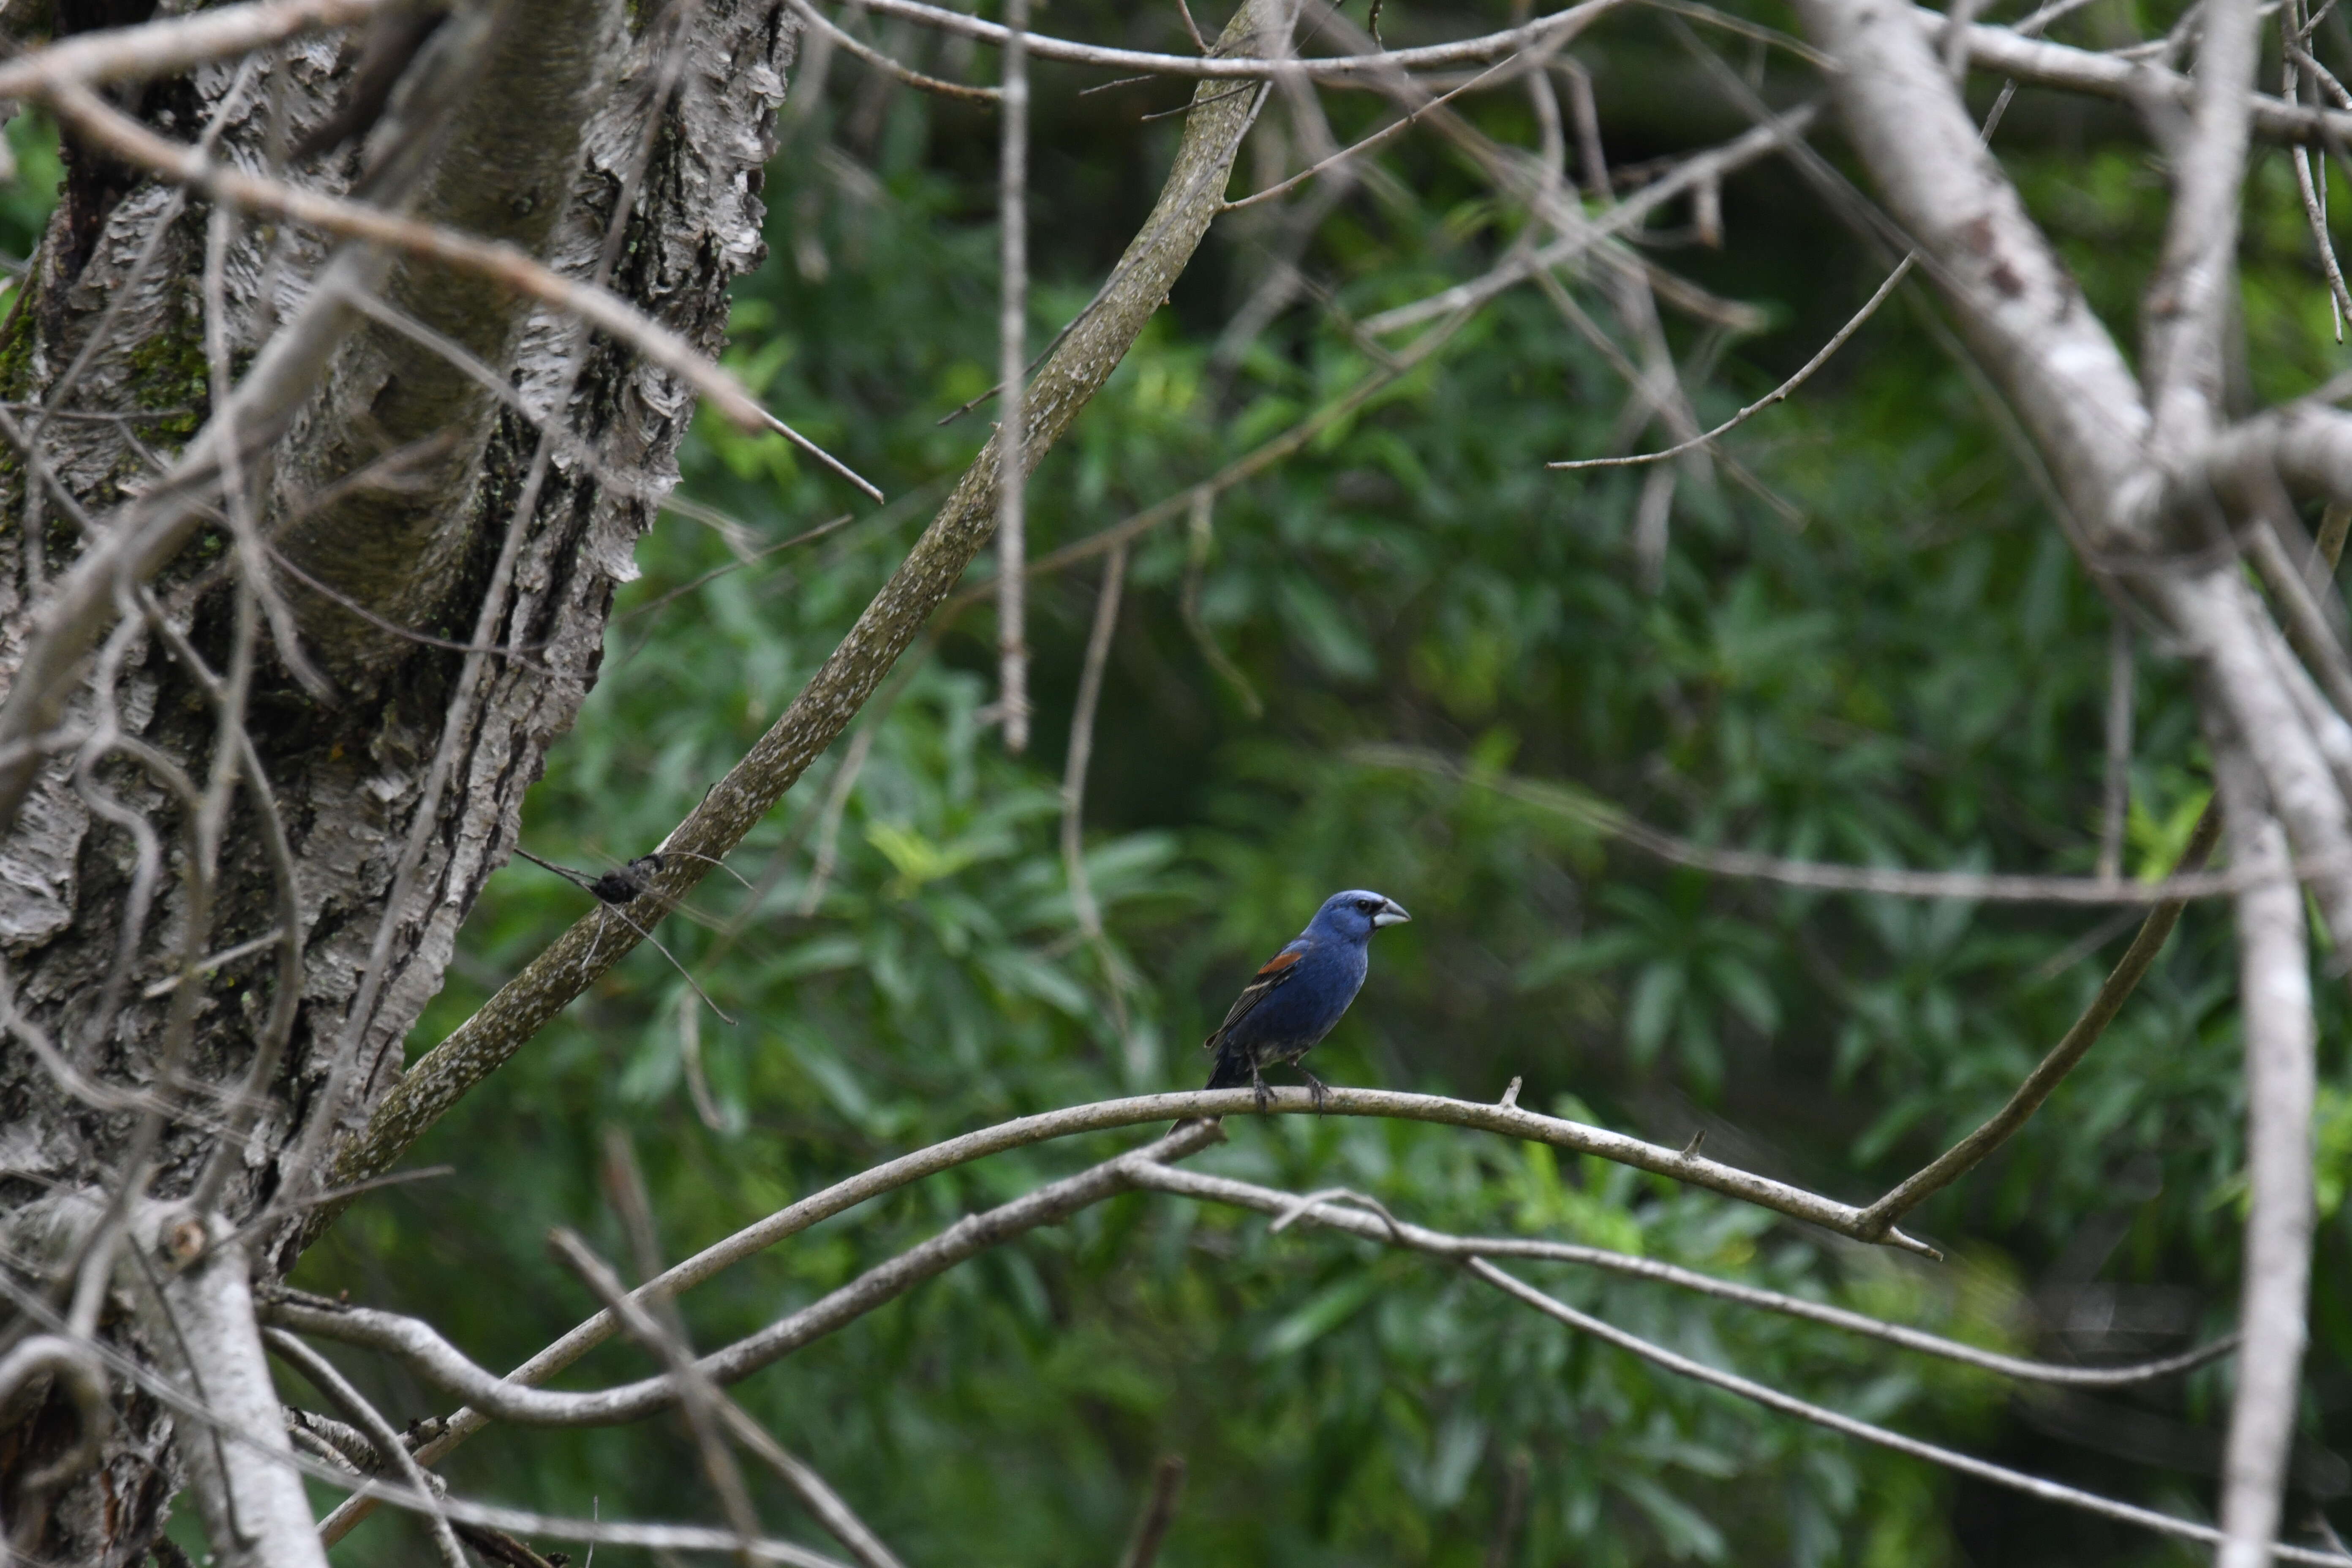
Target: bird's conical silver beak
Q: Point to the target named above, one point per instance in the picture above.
(1391, 914)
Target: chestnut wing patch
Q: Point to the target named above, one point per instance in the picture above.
(1272, 973)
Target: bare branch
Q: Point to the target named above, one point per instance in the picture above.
(432, 1358)
(128, 138)
(1506, 1119)
(2114, 792)
(1012, 368)
(2313, 192)
(1629, 215)
(698, 1394)
(1789, 1404)
(264, 1446)
(391, 1453)
(1611, 821)
(1083, 907)
(882, 62)
(2274, 1009)
(1779, 393)
(1231, 58)
(1325, 1209)
(2009, 52)
(811, 1489)
(2017, 304)
(168, 47)
(654, 1319)
(199, 1316)
(1492, 76)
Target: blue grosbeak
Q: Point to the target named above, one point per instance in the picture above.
(1300, 994)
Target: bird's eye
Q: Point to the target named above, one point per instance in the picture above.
(1365, 905)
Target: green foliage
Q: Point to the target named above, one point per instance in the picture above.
(25, 202)
(1896, 661)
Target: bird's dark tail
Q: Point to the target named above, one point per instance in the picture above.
(1232, 1071)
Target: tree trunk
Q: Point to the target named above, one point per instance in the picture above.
(392, 489)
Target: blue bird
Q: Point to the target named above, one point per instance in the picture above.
(1298, 996)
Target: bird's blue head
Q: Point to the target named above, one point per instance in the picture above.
(1354, 915)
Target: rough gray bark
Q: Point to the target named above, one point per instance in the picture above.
(539, 157)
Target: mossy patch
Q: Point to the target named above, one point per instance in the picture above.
(17, 339)
(168, 373)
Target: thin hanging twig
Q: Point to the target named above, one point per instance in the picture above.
(2116, 795)
(1082, 906)
(1158, 1514)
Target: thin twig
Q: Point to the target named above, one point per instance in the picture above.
(1192, 28)
(805, 536)
(1627, 217)
(883, 63)
(1613, 821)
(2116, 791)
(699, 1397)
(873, 491)
(2063, 1056)
(392, 1454)
(1220, 63)
(1836, 1421)
(1779, 393)
(845, 774)
(128, 138)
(1158, 1514)
(1087, 913)
(432, 1358)
(1378, 1225)
(2315, 209)
(656, 1314)
(172, 46)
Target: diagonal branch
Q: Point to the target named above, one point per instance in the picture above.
(2008, 51)
(391, 1453)
(174, 44)
(663, 1340)
(1378, 1225)
(1229, 62)
(698, 1397)
(1077, 370)
(1837, 1421)
(2064, 1057)
(1610, 820)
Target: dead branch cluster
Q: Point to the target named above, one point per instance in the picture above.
(2168, 501)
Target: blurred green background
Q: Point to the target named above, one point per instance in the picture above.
(1882, 650)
